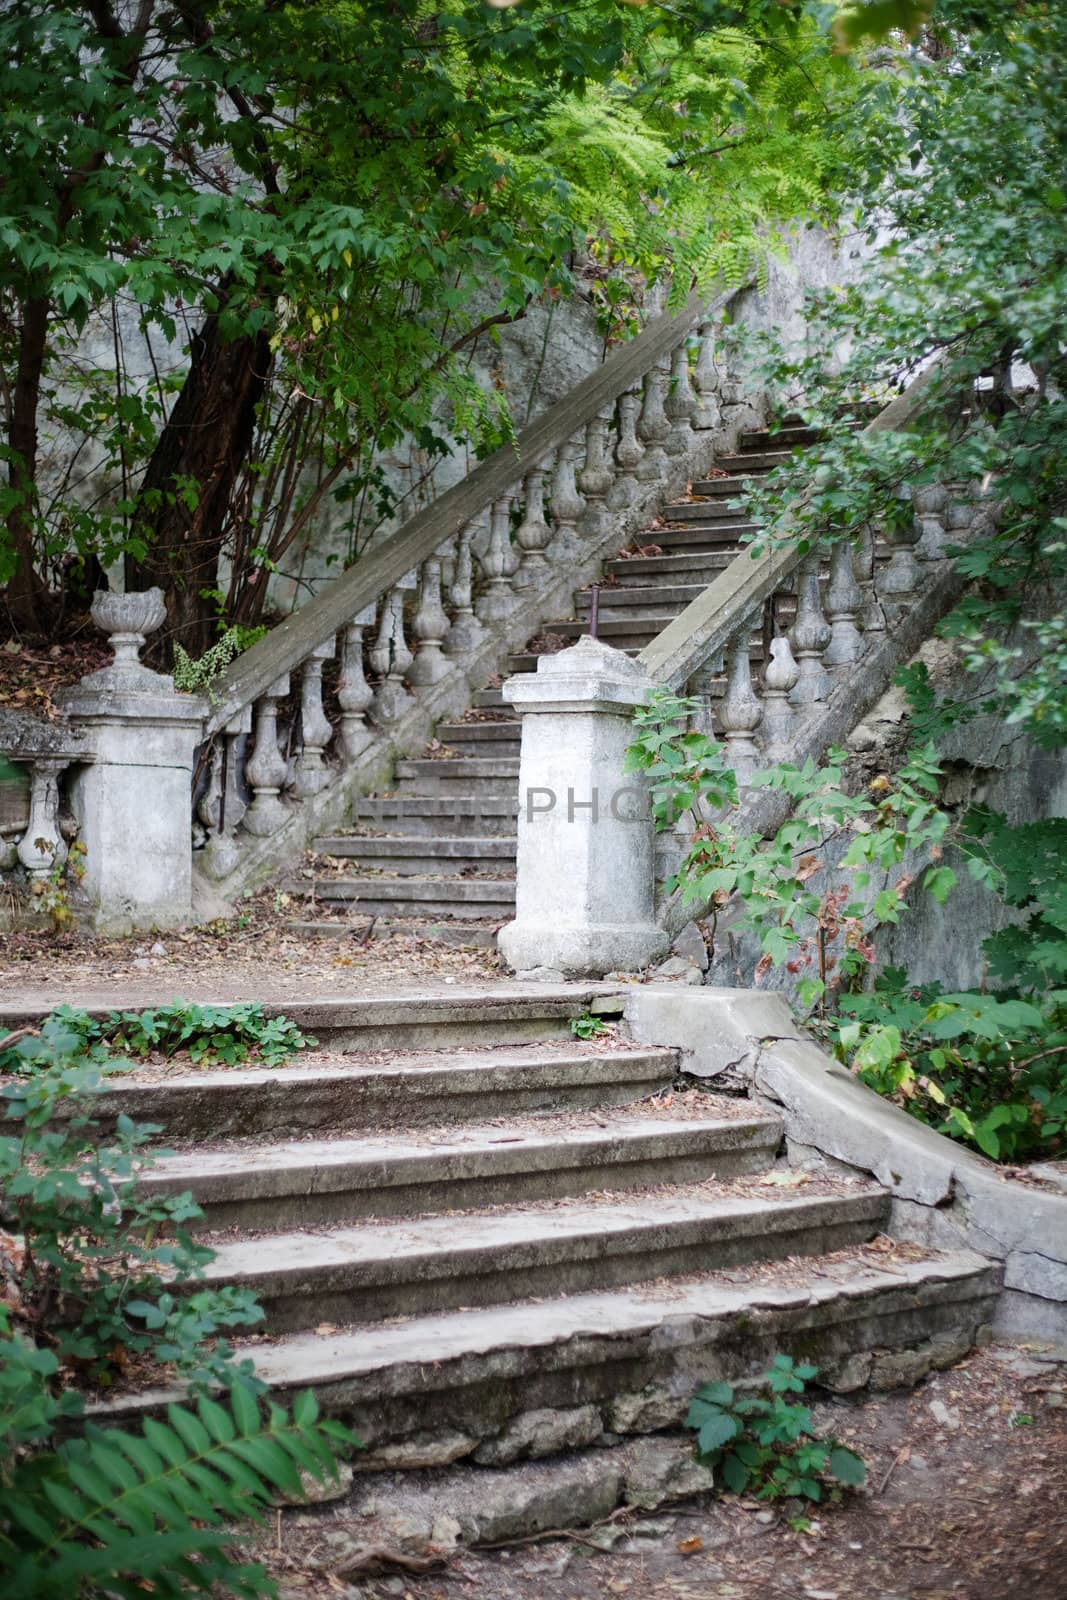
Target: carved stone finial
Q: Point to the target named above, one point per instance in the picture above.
(128, 618)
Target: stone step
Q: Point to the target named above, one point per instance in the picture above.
(752, 463)
(731, 487)
(427, 776)
(471, 933)
(693, 535)
(627, 630)
(510, 1379)
(656, 599)
(487, 699)
(421, 896)
(458, 815)
(497, 730)
(373, 1271)
(416, 854)
(786, 438)
(422, 1089)
(692, 565)
(300, 1184)
(708, 512)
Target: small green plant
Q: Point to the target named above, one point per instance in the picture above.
(587, 1026)
(191, 676)
(51, 894)
(209, 1035)
(765, 1444)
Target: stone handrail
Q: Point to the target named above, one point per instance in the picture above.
(37, 842)
(294, 639)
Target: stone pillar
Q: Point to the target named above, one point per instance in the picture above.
(584, 896)
(135, 801)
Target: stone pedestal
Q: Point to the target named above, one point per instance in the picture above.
(135, 802)
(584, 896)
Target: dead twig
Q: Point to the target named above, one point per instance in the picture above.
(380, 1555)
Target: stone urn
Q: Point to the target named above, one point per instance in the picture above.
(128, 619)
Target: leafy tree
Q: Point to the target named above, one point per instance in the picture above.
(299, 219)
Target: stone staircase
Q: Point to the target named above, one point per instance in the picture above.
(483, 1239)
(434, 856)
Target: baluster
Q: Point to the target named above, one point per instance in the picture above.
(706, 413)
(740, 712)
(389, 655)
(43, 846)
(779, 680)
(466, 632)
(266, 768)
(843, 601)
(930, 502)
(628, 452)
(959, 512)
(872, 617)
(597, 476)
(533, 533)
(902, 575)
(809, 636)
(223, 807)
(311, 772)
(680, 404)
(354, 693)
(429, 626)
(700, 686)
(566, 504)
(653, 427)
(499, 601)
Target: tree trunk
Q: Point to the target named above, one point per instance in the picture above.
(29, 602)
(184, 501)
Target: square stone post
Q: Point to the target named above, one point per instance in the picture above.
(134, 803)
(584, 895)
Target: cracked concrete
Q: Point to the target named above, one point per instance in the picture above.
(943, 1195)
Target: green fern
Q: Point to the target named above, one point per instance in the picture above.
(118, 1513)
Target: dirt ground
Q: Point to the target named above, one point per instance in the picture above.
(966, 1499)
(253, 956)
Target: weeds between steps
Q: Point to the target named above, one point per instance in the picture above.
(764, 1444)
(209, 1035)
(96, 1287)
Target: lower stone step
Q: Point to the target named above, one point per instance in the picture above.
(427, 777)
(537, 1377)
(418, 1090)
(387, 1269)
(470, 933)
(419, 896)
(311, 1182)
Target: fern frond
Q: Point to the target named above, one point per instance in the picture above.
(111, 1510)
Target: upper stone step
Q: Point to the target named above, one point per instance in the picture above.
(422, 1018)
(412, 1090)
(327, 1181)
(781, 439)
(376, 1270)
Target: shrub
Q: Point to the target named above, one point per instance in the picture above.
(988, 1070)
(97, 1276)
